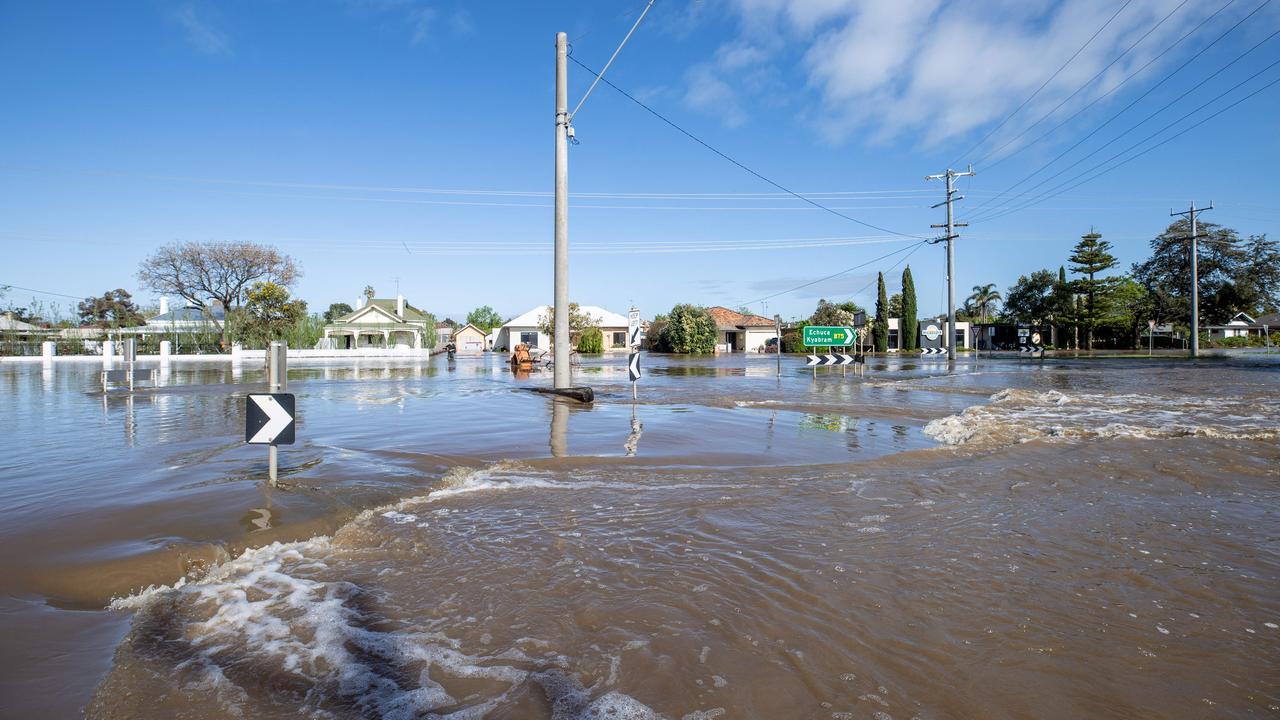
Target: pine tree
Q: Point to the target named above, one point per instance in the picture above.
(1091, 256)
(880, 330)
(907, 323)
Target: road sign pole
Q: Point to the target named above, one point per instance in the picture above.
(277, 380)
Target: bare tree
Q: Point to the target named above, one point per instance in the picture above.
(204, 272)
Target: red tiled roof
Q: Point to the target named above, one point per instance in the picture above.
(725, 317)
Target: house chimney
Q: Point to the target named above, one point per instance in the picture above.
(360, 302)
(400, 306)
(164, 304)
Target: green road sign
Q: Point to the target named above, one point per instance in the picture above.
(829, 336)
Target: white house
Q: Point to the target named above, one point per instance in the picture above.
(736, 332)
(381, 323)
(525, 329)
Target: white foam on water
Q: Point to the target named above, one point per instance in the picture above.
(1014, 416)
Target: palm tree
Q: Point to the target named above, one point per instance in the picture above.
(984, 299)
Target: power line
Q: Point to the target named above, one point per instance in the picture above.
(1044, 84)
(701, 142)
(1167, 140)
(612, 57)
(1086, 83)
(980, 207)
(835, 275)
(1116, 88)
(6, 286)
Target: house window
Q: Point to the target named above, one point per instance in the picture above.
(529, 338)
(960, 339)
(893, 338)
(619, 339)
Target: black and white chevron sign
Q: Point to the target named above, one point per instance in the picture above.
(932, 351)
(836, 359)
(633, 366)
(1030, 348)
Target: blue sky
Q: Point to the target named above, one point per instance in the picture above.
(379, 140)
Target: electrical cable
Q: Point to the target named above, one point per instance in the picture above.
(698, 140)
(1045, 83)
(982, 207)
(835, 275)
(1114, 89)
(1167, 140)
(612, 57)
(6, 287)
(1086, 83)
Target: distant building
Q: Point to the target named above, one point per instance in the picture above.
(444, 333)
(1240, 325)
(736, 332)
(381, 323)
(930, 332)
(469, 340)
(186, 319)
(525, 329)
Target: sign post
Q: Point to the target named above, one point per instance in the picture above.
(633, 341)
(824, 336)
(269, 417)
(1151, 337)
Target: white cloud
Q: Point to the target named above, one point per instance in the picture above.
(928, 70)
(202, 35)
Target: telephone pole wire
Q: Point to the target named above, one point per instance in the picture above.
(951, 225)
(1195, 274)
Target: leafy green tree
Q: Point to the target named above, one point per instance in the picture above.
(690, 329)
(836, 314)
(1031, 299)
(337, 310)
(895, 305)
(368, 292)
(591, 341)
(656, 337)
(1064, 305)
(985, 299)
(1260, 276)
(485, 318)
(880, 329)
(1092, 255)
(908, 323)
(269, 313)
(115, 309)
(1128, 312)
(578, 321)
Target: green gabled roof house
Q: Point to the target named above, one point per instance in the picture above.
(382, 323)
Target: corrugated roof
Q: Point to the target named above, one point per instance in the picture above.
(411, 313)
(186, 314)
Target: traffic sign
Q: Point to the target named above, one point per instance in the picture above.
(932, 332)
(633, 366)
(834, 359)
(829, 336)
(268, 419)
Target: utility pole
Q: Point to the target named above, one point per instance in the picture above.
(563, 373)
(1195, 274)
(950, 175)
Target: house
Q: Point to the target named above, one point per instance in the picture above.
(14, 330)
(525, 329)
(1240, 325)
(930, 332)
(736, 332)
(469, 339)
(381, 323)
(186, 319)
(444, 333)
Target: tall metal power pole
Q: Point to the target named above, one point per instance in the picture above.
(1195, 274)
(563, 373)
(950, 175)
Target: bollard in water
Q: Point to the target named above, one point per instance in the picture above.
(48, 349)
(277, 381)
(165, 349)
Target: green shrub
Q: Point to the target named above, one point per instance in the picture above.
(591, 341)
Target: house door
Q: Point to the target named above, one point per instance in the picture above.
(731, 339)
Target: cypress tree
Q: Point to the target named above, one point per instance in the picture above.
(907, 323)
(880, 330)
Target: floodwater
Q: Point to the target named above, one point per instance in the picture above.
(1002, 539)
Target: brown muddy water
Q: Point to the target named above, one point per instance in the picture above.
(1001, 539)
